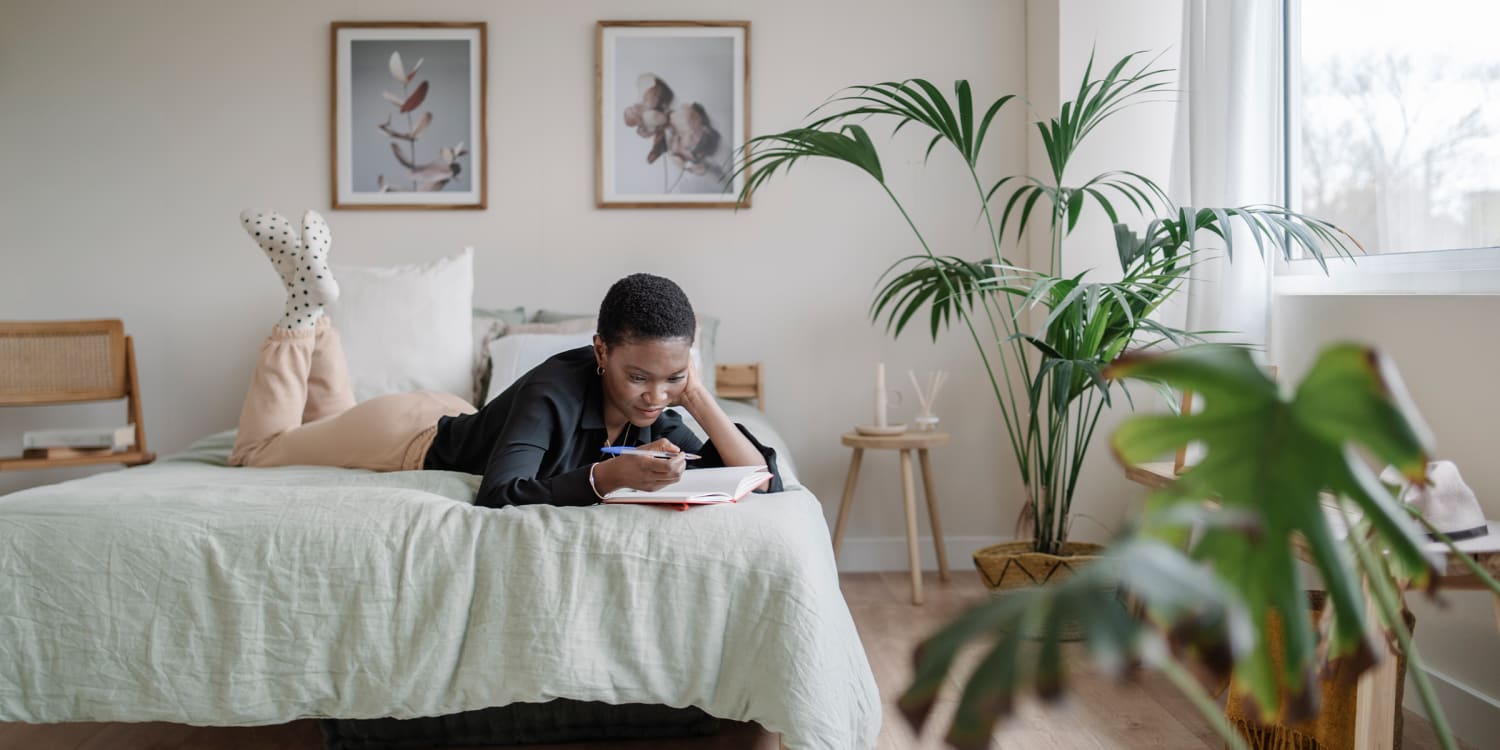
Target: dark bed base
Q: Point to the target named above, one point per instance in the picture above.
(560, 720)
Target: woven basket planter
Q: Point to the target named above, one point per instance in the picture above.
(1014, 565)
(1334, 726)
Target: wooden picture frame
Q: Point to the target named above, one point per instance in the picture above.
(408, 115)
(671, 113)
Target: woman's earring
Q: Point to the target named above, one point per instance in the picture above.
(598, 370)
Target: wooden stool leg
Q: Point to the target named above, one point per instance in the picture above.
(909, 494)
(838, 529)
(932, 515)
(1375, 697)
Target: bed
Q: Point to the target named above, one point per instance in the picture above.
(190, 592)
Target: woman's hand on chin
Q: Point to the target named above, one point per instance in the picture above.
(694, 393)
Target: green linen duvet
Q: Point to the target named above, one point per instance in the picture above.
(191, 592)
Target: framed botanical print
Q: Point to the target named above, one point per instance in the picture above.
(408, 115)
(672, 105)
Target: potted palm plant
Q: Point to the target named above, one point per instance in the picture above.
(1043, 339)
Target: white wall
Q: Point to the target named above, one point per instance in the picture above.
(133, 132)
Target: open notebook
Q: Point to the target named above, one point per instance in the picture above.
(699, 487)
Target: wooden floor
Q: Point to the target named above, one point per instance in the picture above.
(1098, 716)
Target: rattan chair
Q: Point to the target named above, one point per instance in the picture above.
(65, 362)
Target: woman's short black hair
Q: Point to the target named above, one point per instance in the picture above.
(643, 306)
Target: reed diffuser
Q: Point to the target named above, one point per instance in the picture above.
(925, 420)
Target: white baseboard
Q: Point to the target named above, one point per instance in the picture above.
(870, 554)
(1473, 715)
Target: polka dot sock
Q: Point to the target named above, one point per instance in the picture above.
(302, 260)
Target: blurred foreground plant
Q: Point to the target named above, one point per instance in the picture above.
(1216, 550)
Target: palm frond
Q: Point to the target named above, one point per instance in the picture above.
(764, 156)
(918, 101)
(918, 280)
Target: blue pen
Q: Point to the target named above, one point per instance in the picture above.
(619, 449)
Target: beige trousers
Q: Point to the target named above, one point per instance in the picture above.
(300, 410)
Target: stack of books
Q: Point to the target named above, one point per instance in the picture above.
(78, 441)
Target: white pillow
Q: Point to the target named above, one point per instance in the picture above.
(514, 355)
(408, 328)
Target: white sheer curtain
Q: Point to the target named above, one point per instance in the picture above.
(1228, 153)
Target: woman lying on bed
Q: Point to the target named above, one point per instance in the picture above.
(538, 442)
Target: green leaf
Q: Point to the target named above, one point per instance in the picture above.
(1026, 211)
(1053, 145)
(939, 113)
(1176, 595)
(989, 694)
(1143, 183)
(915, 304)
(1127, 245)
(1075, 207)
(965, 119)
(984, 124)
(1043, 347)
(943, 282)
(1355, 395)
(1257, 232)
(764, 156)
(996, 188)
(930, 146)
(1109, 210)
(1227, 231)
(1274, 454)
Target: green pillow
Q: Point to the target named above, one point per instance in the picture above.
(708, 334)
(506, 315)
(553, 316)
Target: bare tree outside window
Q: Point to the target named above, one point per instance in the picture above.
(1399, 125)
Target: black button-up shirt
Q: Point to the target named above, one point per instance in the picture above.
(534, 443)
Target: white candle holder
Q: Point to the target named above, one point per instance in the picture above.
(883, 397)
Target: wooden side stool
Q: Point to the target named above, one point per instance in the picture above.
(906, 443)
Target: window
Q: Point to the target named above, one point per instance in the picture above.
(1394, 130)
